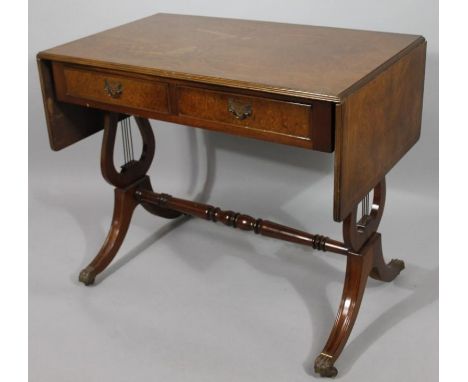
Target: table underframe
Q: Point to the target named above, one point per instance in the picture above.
(362, 244)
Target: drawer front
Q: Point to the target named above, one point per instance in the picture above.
(108, 88)
(252, 113)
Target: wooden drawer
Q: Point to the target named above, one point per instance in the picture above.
(299, 124)
(255, 113)
(97, 88)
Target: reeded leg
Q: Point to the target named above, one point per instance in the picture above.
(364, 259)
(381, 270)
(357, 271)
(124, 205)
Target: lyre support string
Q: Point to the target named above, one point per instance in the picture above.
(131, 139)
(362, 208)
(127, 140)
(124, 142)
(365, 210)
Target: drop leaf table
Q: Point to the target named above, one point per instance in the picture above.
(352, 92)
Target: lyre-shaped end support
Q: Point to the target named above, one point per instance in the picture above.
(128, 180)
(131, 171)
(355, 233)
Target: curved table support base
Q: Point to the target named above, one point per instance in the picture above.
(357, 271)
(383, 271)
(362, 243)
(124, 205)
(128, 180)
(365, 258)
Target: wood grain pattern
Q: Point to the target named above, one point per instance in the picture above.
(299, 60)
(276, 117)
(74, 82)
(376, 126)
(273, 119)
(375, 78)
(312, 87)
(66, 123)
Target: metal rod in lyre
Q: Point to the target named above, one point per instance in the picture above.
(127, 141)
(243, 222)
(365, 206)
(131, 139)
(124, 141)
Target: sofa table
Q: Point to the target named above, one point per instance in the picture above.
(352, 92)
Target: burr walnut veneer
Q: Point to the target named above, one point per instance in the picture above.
(355, 93)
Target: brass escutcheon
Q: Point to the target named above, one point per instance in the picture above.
(239, 110)
(113, 90)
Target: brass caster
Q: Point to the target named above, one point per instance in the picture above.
(324, 366)
(397, 264)
(87, 276)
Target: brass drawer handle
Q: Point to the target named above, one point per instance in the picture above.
(113, 90)
(239, 110)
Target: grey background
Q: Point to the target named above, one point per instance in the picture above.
(206, 303)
